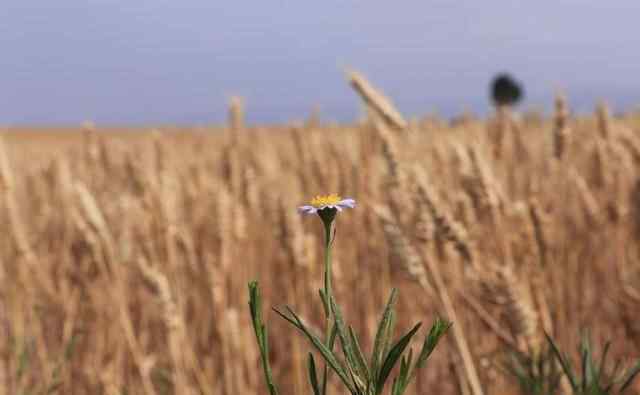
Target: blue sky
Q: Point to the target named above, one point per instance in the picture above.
(161, 61)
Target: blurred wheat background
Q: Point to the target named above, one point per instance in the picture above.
(125, 256)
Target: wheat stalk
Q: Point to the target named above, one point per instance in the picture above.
(446, 228)
(376, 101)
(560, 127)
(401, 249)
(174, 323)
(603, 117)
(236, 114)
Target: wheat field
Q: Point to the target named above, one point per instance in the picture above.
(126, 252)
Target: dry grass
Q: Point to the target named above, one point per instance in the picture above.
(132, 251)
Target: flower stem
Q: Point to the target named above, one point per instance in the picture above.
(328, 294)
(327, 265)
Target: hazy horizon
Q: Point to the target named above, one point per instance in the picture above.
(161, 62)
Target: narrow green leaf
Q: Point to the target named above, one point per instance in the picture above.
(633, 372)
(325, 375)
(260, 331)
(344, 339)
(333, 336)
(381, 334)
(325, 302)
(358, 383)
(313, 378)
(387, 342)
(407, 364)
(391, 358)
(404, 377)
(438, 329)
(603, 359)
(332, 340)
(360, 359)
(395, 387)
(290, 320)
(328, 356)
(584, 361)
(255, 306)
(566, 367)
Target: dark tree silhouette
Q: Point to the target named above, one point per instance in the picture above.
(505, 91)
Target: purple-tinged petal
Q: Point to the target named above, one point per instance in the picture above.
(307, 210)
(347, 203)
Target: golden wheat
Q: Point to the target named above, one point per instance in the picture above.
(137, 247)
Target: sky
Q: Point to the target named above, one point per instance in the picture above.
(179, 62)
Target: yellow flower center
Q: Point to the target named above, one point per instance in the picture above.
(320, 201)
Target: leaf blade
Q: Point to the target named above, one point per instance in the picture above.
(390, 360)
(381, 333)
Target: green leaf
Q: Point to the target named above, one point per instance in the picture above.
(344, 339)
(438, 329)
(313, 378)
(255, 306)
(332, 340)
(393, 356)
(564, 363)
(288, 319)
(590, 373)
(585, 357)
(360, 359)
(395, 387)
(603, 359)
(325, 302)
(633, 372)
(404, 376)
(382, 334)
(260, 329)
(358, 383)
(404, 370)
(386, 345)
(326, 353)
(333, 336)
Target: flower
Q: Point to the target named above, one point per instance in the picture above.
(333, 202)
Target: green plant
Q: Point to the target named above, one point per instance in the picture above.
(359, 374)
(594, 378)
(255, 303)
(537, 373)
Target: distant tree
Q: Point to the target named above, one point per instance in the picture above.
(505, 90)
(505, 93)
